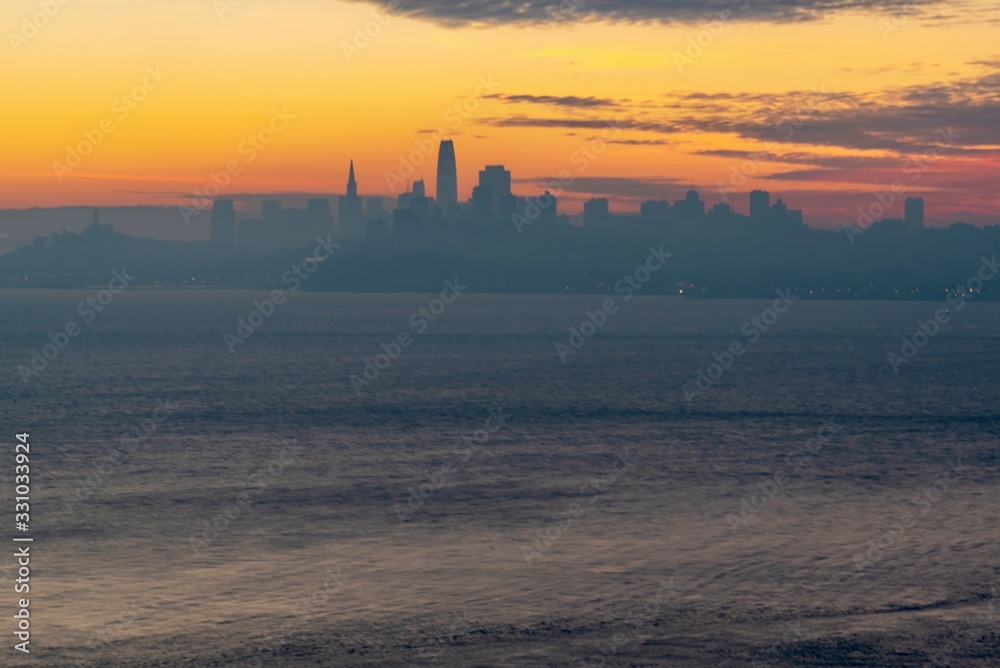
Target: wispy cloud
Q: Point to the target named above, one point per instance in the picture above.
(555, 101)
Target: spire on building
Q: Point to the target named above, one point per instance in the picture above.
(352, 184)
(350, 217)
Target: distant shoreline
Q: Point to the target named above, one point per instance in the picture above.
(224, 288)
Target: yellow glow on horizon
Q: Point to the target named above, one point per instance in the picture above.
(225, 78)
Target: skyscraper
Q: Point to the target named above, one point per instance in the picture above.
(482, 203)
(915, 213)
(271, 211)
(224, 222)
(351, 220)
(654, 212)
(447, 176)
(760, 206)
(376, 208)
(596, 212)
(548, 205)
(690, 209)
(319, 219)
(497, 179)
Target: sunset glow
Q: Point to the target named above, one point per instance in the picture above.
(690, 98)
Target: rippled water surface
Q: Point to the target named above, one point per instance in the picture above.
(482, 502)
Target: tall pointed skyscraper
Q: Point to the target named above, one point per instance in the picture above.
(447, 177)
(352, 183)
(350, 219)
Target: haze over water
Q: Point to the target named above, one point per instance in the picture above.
(319, 552)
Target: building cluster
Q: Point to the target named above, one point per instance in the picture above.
(360, 217)
(492, 203)
(692, 210)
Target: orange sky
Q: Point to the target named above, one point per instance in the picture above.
(84, 81)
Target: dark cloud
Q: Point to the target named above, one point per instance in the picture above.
(457, 13)
(581, 123)
(901, 121)
(555, 101)
(640, 142)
